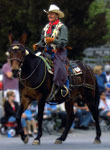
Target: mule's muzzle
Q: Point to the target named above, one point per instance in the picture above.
(15, 73)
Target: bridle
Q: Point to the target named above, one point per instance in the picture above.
(21, 63)
(15, 47)
(17, 59)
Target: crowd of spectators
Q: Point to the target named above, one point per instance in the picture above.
(103, 80)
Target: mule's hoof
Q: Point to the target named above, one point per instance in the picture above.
(26, 140)
(96, 141)
(36, 142)
(58, 142)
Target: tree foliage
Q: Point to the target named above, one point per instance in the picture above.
(85, 28)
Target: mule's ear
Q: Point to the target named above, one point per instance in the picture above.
(23, 38)
(10, 37)
(26, 52)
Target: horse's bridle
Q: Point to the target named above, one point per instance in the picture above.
(21, 63)
(15, 58)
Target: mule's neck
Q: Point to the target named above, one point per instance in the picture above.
(40, 78)
(29, 64)
(34, 71)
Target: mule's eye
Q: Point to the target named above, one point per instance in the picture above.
(11, 54)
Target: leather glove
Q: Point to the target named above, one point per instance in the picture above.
(35, 46)
(49, 40)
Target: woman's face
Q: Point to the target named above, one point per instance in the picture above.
(12, 97)
(100, 71)
(52, 16)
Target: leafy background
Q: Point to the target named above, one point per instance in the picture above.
(88, 22)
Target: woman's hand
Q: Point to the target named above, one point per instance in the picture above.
(49, 40)
(35, 46)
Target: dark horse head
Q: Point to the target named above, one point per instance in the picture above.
(16, 53)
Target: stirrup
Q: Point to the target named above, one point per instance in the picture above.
(66, 91)
(52, 93)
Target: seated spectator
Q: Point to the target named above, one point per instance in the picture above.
(100, 81)
(83, 114)
(48, 110)
(104, 106)
(107, 91)
(10, 107)
(56, 113)
(28, 122)
(34, 109)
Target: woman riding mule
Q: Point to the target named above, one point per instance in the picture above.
(35, 82)
(55, 37)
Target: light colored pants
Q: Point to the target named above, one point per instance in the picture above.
(28, 123)
(31, 123)
(17, 96)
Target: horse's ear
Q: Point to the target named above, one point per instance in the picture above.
(23, 38)
(10, 37)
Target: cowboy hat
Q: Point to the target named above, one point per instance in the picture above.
(55, 9)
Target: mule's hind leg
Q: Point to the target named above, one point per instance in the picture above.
(95, 115)
(70, 118)
(93, 103)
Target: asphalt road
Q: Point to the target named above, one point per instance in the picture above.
(78, 140)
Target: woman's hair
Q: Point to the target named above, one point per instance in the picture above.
(97, 69)
(9, 93)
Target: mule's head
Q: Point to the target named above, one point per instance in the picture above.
(16, 53)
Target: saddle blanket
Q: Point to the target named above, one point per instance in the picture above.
(77, 71)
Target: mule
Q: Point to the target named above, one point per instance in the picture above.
(35, 82)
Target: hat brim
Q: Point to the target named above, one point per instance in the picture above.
(60, 13)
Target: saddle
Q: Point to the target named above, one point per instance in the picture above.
(72, 69)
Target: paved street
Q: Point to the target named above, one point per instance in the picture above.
(78, 140)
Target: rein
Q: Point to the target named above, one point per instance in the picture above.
(21, 79)
(17, 46)
(29, 76)
(17, 59)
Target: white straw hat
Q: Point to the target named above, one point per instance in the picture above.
(55, 9)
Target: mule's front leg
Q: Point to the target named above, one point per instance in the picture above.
(20, 130)
(40, 118)
(22, 108)
(70, 118)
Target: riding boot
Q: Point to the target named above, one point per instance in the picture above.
(65, 89)
(53, 92)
